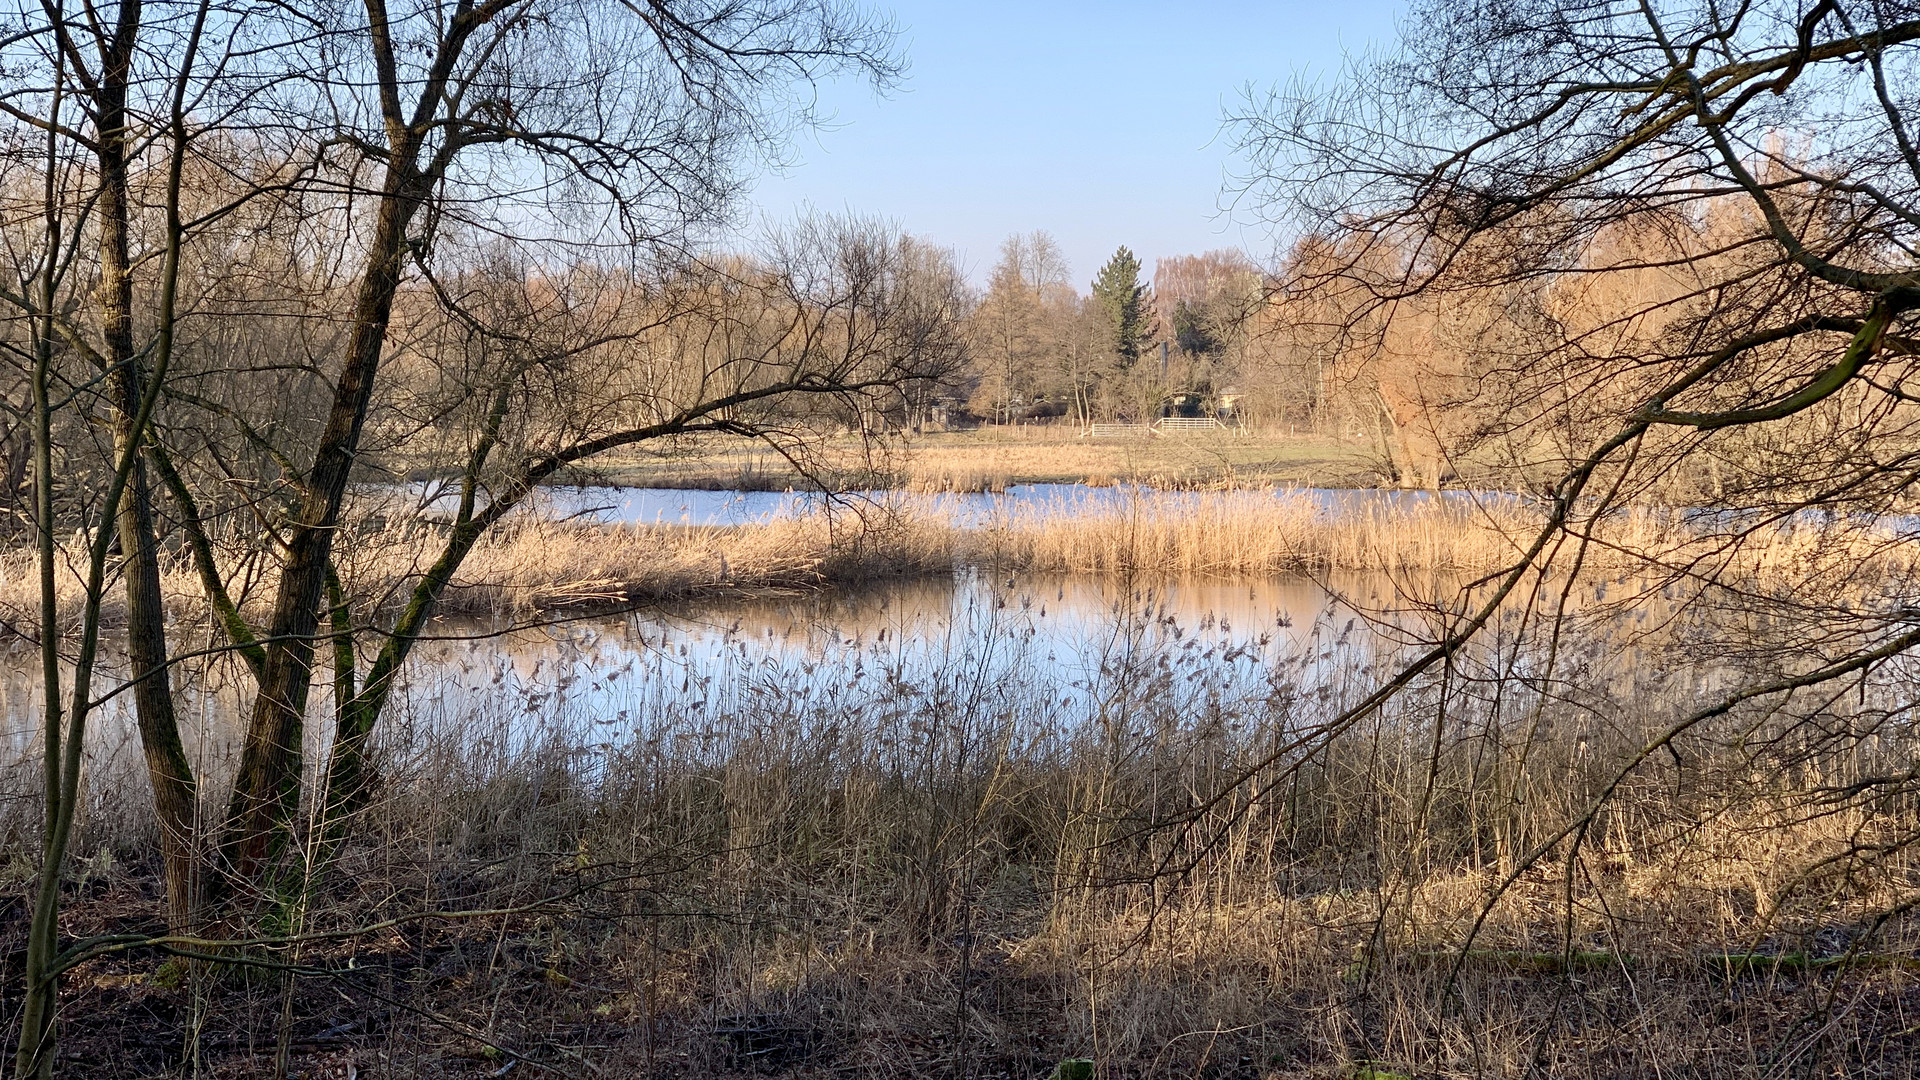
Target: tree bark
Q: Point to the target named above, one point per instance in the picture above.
(266, 791)
(175, 793)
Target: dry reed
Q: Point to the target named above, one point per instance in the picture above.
(981, 866)
(1021, 454)
(532, 565)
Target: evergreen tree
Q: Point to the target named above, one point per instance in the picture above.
(1194, 332)
(1122, 298)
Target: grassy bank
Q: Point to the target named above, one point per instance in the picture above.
(956, 874)
(996, 457)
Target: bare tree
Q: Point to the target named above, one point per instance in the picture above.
(570, 124)
(1022, 325)
(1677, 238)
(99, 119)
(573, 128)
(840, 318)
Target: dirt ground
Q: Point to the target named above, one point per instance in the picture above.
(444, 1001)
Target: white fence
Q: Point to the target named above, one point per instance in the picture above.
(1167, 425)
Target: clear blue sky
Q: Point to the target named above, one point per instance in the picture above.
(1097, 122)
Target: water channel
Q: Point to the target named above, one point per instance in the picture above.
(674, 506)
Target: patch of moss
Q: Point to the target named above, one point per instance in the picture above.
(1073, 1069)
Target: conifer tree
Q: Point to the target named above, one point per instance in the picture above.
(1122, 298)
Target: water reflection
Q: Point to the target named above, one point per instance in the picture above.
(1081, 644)
(705, 660)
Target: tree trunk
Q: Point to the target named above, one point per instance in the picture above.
(175, 794)
(34, 1055)
(266, 791)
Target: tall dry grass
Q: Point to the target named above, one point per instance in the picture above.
(1255, 532)
(1263, 531)
(981, 865)
(535, 565)
(1019, 454)
(532, 565)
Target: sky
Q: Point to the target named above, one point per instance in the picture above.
(1100, 123)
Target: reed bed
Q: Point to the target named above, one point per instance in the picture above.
(983, 866)
(941, 480)
(537, 565)
(532, 565)
(1254, 532)
(1216, 533)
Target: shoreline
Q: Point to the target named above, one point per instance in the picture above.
(538, 565)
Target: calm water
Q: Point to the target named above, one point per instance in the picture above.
(1063, 651)
(669, 506)
(603, 681)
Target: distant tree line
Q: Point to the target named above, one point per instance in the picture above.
(1043, 350)
(1215, 333)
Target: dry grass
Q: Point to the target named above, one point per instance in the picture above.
(537, 566)
(534, 565)
(1255, 532)
(979, 867)
(1060, 455)
(1020, 455)
(948, 871)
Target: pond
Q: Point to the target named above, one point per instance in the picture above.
(1061, 654)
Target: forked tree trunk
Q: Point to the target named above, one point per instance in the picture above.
(266, 791)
